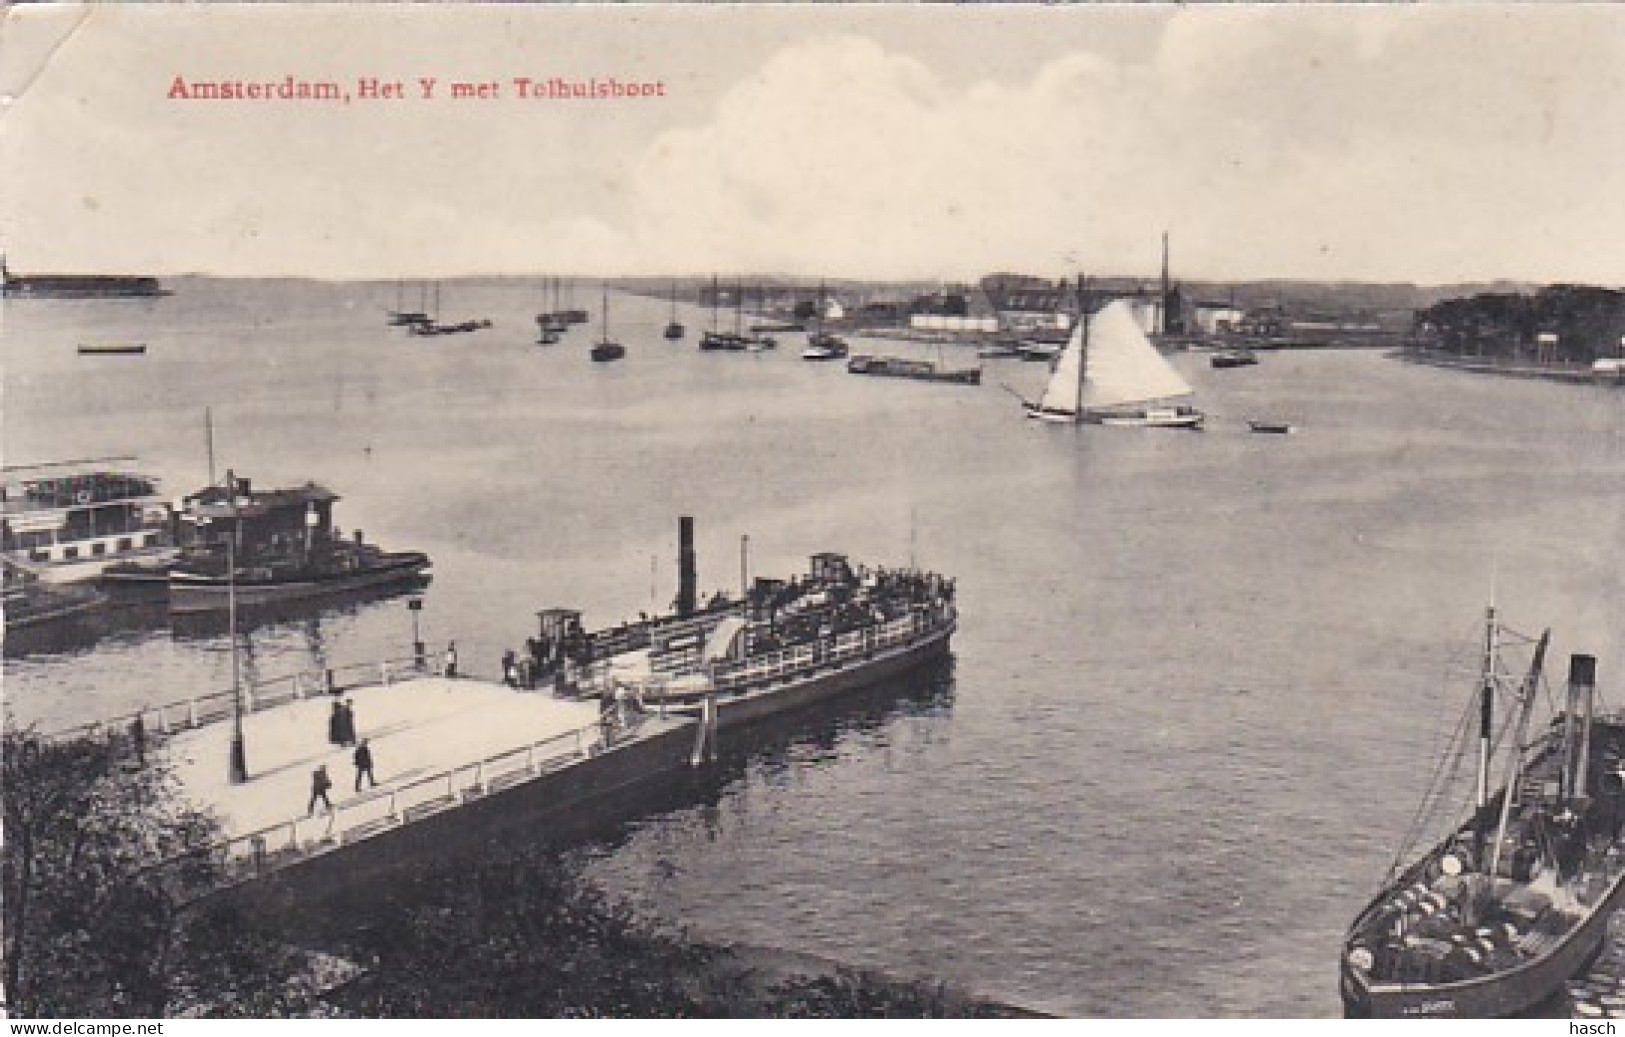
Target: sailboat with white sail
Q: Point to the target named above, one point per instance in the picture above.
(1110, 374)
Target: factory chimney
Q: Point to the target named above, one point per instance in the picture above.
(687, 575)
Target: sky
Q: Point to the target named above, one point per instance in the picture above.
(1430, 143)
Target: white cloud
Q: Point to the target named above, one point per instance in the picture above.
(1382, 142)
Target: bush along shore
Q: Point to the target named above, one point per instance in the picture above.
(92, 928)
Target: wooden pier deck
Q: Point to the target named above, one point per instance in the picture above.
(419, 730)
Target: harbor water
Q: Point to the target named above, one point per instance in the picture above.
(1199, 681)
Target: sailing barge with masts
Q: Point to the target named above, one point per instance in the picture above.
(1511, 904)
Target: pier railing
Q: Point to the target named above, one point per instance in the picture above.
(391, 806)
(152, 723)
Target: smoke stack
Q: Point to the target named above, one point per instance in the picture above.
(687, 575)
(1582, 693)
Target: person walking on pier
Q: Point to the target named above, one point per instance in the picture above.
(510, 671)
(319, 784)
(138, 740)
(451, 658)
(363, 765)
(335, 724)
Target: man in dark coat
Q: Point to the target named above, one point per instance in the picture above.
(363, 765)
(347, 724)
(319, 784)
(335, 724)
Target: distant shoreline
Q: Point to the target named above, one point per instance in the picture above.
(1571, 373)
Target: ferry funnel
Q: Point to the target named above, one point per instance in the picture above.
(687, 576)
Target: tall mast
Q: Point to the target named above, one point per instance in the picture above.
(1162, 310)
(1526, 696)
(208, 439)
(1083, 352)
(1486, 706)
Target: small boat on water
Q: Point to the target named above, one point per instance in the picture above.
(265, 547)
(1226, 358)
(723, 342)
(674, 328)
(112, 349)
(1038, 351)
(1278, 428)
(1514, 901)
(1110, 374)
(919, 370)
(606, 349)
(401, 317)
(824, 346)
(432, 327)
(821, 345)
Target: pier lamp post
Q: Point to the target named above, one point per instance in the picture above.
(237, 758)
(239, 755)
(415, 605)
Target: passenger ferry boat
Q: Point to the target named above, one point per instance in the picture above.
(1513, 903)
(786, 644)
(67, 521)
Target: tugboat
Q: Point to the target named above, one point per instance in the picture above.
(1513, 903)
(272, 546)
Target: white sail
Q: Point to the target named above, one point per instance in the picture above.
(1061, 395)
(1123, 366)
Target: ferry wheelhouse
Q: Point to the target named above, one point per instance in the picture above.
(66, 521)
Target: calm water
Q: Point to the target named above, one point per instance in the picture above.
(1197, 688)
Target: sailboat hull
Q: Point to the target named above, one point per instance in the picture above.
(1153, 418)
(1054, 417)
(1182, 418)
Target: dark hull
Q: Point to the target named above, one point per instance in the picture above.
(77, 286)
(604, 352)
(194, 592)
(918, 370)
(765, 701)
(1496, 996)
(112, 350)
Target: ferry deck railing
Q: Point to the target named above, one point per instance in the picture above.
(732, 677)
(836, 649)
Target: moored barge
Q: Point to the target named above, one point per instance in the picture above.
(919, 370)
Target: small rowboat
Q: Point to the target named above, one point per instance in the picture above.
(1279, 428)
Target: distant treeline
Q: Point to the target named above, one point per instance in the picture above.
(1587, 323)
